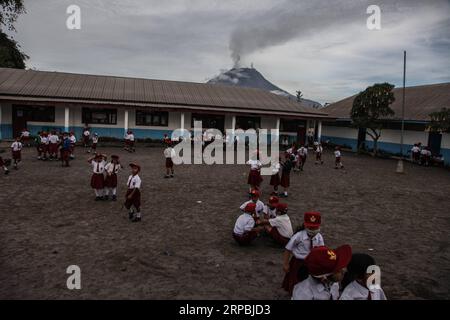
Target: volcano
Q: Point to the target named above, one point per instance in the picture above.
(252, 78)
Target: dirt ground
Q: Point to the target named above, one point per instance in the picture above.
(183, 249)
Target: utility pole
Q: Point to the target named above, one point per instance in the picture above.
(400, 161)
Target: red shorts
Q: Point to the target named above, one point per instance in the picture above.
(134, 201)
(65, 154)
(111, 181)
(169, 163)
(254, 178)
(278, 237)
(94, 146)
(285, 180)
(85, 139)
(17, 155)
(246, 238)
(53, 148)
(338, 160)
(97, 181)
(275, 180)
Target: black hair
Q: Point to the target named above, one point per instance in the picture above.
(357, 268)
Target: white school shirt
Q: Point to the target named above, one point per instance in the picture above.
(355, 291)
(276, 168)
(73, 139)
(134, 182)
(312, 289)
(415, 149)
(272, 213)
(290, 150)
(86, 133)
(131, 137)
(259, 207)
(300, 244)
(425, 152)
(254, 164)
(53, 138)
(101, 166)
(283, 225)
(94, 139)
(319, 149)
(302, 151)
(169, 153)
(111, 169)
(16, 146)
(44, 140)
(337, 153)
(25, 134)
(244, 223)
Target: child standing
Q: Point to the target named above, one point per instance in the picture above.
(53, 140)
(131, 141)
(16, 149)
(25, 137)
(326, 268)
(86, 138)
(275, 178)
(302, 154)
(338, 161)
(319, 151)
(65, 150)
(44, 145)
(94, 143)
(73, 141)
(98, 163)
(169, 154)
(299, 246)
(112, 169)
(244, 231)
(286, 168)
(133, 195)
(357, 277)
(254, 176)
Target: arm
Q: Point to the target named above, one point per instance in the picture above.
(286, 258)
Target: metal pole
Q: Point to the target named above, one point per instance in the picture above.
(400, 161)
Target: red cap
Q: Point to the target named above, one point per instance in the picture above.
(254, 193)
(273, 200)
(312, 220)
(282, 207)
(134, 165)
(323, 261)
(250, 207)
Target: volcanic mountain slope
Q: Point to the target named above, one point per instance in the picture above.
(252, 78)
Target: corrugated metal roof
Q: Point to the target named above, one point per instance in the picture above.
(420, 101)
(57, 86)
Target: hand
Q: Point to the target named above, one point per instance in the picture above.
(286, 267)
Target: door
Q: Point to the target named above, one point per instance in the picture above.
(434, 142)
(301, 135)
(19, 120)
(362, 138)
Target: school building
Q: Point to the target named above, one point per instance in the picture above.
(420, 101)
(109, 105)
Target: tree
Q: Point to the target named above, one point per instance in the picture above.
(440, 121)
(370, 106)
(10, 54)
(299, 95)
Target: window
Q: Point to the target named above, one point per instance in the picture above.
(209, 121)
(152, 118)
(246, 123)
(99, 116)
(35, 113)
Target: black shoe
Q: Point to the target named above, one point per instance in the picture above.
(114, 198)
(171, 175)
(166, 176)
(131, 215)
(136, 219)
(98, 198)
(6, 171)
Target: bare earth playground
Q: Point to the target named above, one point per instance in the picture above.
(183, 249)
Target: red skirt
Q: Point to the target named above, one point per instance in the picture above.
(134, 201)
(53, 148)
(169, 163)
(278, 237)
(65, 154)
(285, 180)
(94, 146)
(17, 155)
(338, 160)
(111, 181)
(275, 180)
(318, 155)
(246, 238)
(86, 139)
(97, 181)
(297, 272)
(254, 178)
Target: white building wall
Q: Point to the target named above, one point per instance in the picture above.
(340, 132)
(409, 137)
(445, 143)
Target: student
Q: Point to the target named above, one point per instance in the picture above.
(53, 140)
(112, 169)
(244, 231)
(38, 142)
(299, 246)
(254, 176)
(326, 268)
(286, 168)
(25, 137)
(319, 151)
(275, 178)
(302, 154)
(425, 156)
(415, 153)
(254, 198)
(73, 141)
(44, 145)
(133, 195)
(4, 163)
(169, 154)
(131, 141)
(355, 280)
(338, 161)
(270, 209)
(279, 227)
(16, 150)
(166, 139)
(98, 163)
(94, 143)
(86, 138)
(66, 147)
(127, 141)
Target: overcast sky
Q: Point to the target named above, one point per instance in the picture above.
(320, 47)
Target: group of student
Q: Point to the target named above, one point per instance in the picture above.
(423, 156)
(313, 271)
